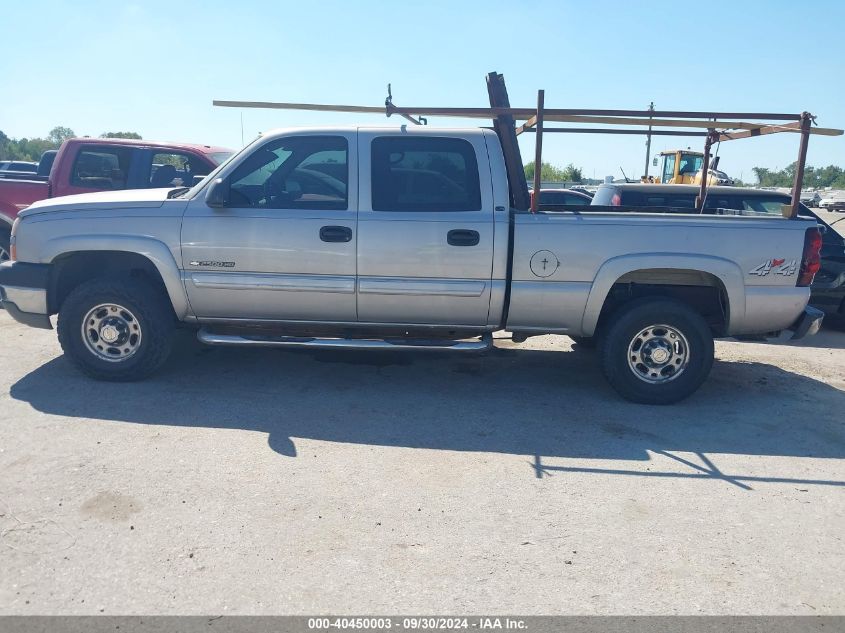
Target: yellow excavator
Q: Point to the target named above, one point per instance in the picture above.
(683, 167)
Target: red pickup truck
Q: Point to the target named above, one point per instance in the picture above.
(83, 165)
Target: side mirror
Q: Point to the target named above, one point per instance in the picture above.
(217, 194)
(654, 162)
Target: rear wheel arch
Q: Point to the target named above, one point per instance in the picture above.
(673, 276)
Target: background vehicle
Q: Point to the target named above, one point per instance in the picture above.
(810, 198)
(683, 167)
(18, 165)
(41, 173)
(84, 165)
(828, 289)
(556, 197)
(399, 238)
(832, 203)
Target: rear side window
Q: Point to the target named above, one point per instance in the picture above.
(561, 197)
(101, 168)
(763, 205)
(424, 174)
(657, 199)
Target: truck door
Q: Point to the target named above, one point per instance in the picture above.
(283, 246)
(667, 174)
(425, 229)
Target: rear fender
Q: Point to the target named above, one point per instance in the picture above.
(726, 271)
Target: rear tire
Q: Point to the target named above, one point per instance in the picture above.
(116, 329)
(656, 351)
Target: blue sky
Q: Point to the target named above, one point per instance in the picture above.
(155, 66)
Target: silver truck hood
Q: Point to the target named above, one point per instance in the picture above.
(125, 199)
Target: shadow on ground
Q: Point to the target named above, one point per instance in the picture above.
(542, 404)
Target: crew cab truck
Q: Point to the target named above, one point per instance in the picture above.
(398, 238)
(84, 165)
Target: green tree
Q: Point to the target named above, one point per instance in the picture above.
(132, 135)
(548, 172)
(571, 173)
(818, 178)
(32, 148)
(59, 135)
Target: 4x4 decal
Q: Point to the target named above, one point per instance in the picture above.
(776, 267)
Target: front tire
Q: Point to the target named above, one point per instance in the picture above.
(585, 342)
(5, 249)
(656, 351)
(116, 329)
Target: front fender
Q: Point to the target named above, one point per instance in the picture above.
(155, 251)
(726, 271)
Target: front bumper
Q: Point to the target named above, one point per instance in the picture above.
(807, 324)
(23, 292)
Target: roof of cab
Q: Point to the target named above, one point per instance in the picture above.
(204, 149)
(347, 129)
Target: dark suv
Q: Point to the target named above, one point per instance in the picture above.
(828, 290)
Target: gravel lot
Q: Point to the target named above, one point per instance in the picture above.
(261, 481)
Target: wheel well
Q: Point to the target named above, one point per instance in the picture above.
(701, 291)
(72, 269)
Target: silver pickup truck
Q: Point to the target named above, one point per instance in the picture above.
(399, 238)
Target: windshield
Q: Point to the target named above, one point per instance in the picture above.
(218, 158)
(210, 177)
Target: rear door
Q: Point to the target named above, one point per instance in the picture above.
(425, 229)
(283, 248)
(107, 167)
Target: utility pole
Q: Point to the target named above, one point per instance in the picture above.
(648, 142)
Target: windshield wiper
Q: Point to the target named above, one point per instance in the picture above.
(176, 193)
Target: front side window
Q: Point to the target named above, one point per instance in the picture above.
(690, 164)
(301, 172)
(174, 169)
(101, 168)
(424, 174)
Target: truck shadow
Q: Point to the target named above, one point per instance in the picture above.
(541, 404)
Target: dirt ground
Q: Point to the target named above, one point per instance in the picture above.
(260, 481)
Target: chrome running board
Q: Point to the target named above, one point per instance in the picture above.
(212, 338)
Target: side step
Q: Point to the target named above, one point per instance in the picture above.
(212, 338)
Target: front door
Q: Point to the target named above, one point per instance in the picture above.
(283, 248)
(425, 229)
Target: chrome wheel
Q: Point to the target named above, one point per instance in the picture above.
(111, 332)
(658, 354)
